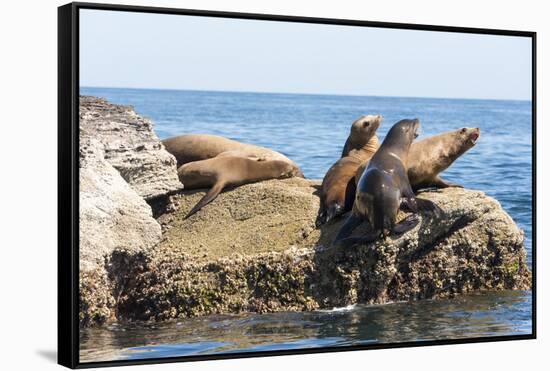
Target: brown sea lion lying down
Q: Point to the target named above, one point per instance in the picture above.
(220, 172)
(196, 147)
(217, 162)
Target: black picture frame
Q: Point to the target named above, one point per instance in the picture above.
(68, 180)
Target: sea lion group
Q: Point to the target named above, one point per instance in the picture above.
(385, 181)
(217, 162)
(372, 180)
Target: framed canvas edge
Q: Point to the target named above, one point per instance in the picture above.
(67, 188)
(68, 181)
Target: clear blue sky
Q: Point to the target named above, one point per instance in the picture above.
(122, 49)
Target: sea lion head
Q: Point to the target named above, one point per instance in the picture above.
(287, 170)
(466, 138)
(455, 143)
(401, 135)
(365, 127)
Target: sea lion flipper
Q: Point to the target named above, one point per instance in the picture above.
(438, 182)
(333, 210)
(320, 216)
(428, 205)
(350, 241)
(347, 228)
(406, 224)
(207, 198)
(326, 214)
(416, 204)
(409, 204)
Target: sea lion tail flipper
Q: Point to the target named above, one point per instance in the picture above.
(207, 198)
(406, 224)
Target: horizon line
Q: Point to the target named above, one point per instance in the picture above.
(296, 93)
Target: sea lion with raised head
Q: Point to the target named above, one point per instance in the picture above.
(431, 156)
(338, 187)
(384, 187)
(360, 133)
(220, 172)
(196, 147)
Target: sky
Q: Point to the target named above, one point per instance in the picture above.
(138, 50)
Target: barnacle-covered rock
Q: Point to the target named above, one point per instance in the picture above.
(256, 248)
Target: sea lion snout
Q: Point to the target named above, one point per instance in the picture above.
(470, 135)
(416, 127)
(474, 135)
(292, 171)
(374, 119)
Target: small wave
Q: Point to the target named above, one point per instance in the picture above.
(338, 309)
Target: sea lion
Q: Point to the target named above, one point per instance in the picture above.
(384, 187)
(196, 147)
(360, 133)
(338, 187)
(431, 156)
(223, 171)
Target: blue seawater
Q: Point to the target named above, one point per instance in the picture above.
(311, 129)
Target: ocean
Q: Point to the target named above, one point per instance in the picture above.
(311, 130)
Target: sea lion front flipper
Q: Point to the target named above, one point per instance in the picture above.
(429, 206)
(415, 204)
(438, 182)
(333, 210)
(350, 241)
(350, 224)
(406, 224)
(327, 213)
(321, 216)
(409, 204)
(207, 198)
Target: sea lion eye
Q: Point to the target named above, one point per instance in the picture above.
(365, 124)
(463, 130)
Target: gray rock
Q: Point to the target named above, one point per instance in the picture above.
(130, 145)
(112, 215)
(114, 221)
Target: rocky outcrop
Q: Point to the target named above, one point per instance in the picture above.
(122, 164)
(256, 248)
(112, 215)
(114, 220)
(131, 146)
